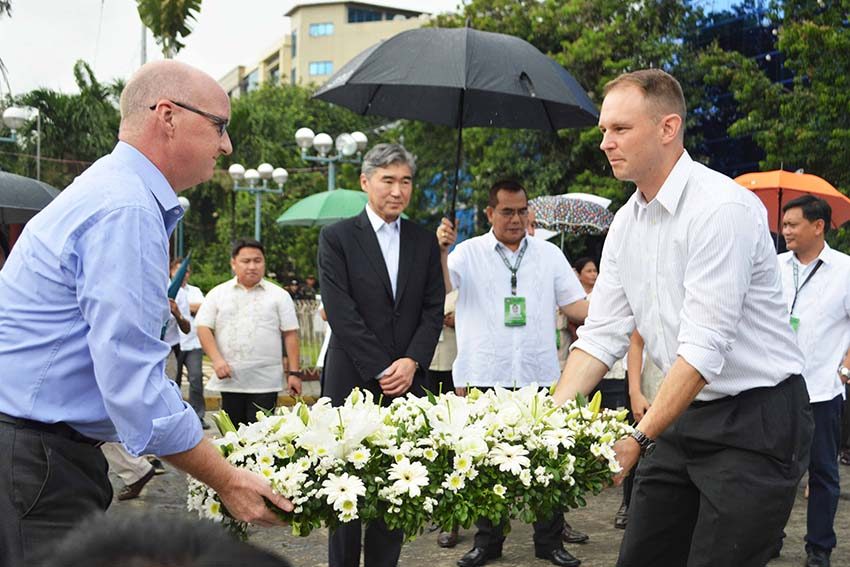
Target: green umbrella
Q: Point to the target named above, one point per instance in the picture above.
(324, 208)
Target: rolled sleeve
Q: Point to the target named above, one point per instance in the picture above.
(208, 312)
(717, 277)
(121, 262)
(610, 320)
(567, 287)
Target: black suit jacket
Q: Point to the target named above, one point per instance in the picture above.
(370, 329)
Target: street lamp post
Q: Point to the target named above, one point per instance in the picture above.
(262, 175)
(15, 117)
(184, 202)
(346, 146)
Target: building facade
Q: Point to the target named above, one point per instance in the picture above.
(324, 35)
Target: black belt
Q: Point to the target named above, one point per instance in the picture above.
(59, 429)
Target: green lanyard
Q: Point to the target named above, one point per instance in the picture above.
(513, 269)
(797, 286)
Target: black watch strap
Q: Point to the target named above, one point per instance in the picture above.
(643, 440)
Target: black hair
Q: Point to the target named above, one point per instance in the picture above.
(510, 185)
(246, 243)
(814, 208)
(155, 540)
(582, 262)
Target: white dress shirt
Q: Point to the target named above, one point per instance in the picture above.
(172, 330)
(489, 353)
(248, 325)
(696, 271)
(389, 235)
(189, 341)
(823, 307)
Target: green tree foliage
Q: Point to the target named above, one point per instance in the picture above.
(76, 129)
(169, 21)
(263, 125)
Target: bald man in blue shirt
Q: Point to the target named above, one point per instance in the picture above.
(82, 304)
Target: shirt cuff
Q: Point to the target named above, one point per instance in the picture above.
(173, 433)
(381, 373)
(708, 362)
(595, 351)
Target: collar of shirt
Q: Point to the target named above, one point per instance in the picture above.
(154, 180)
(671, 191)
(495, 243)
(377, 222)
(825, 255)
(260, 284)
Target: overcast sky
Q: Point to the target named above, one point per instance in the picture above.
(41, 41)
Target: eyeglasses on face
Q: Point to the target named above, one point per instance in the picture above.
(219, 122)
(509, 213)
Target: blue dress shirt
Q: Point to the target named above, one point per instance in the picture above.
(82, 305)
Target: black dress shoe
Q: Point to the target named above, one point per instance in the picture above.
(478, 556)
(132, 491)
(817, 558)
(621, 518)
(560, 557)
(447, 539)
(572, 535)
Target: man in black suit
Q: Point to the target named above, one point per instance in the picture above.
(383, 292)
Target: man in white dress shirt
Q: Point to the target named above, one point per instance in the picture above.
(689, 262)
(510, 286)
(816, 280)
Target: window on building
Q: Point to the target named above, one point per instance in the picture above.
(294, 43)
(318, 30)
(321, 68)
(358, 15)
(274, 75)
(292, 76)
(252, 81)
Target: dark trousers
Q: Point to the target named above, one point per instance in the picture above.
(440, 381)
(48, 485)
(845, 419)
(547, 534)
(243, 408)
(193, 361)
(381, 546)
(824, 487)
(719, 487)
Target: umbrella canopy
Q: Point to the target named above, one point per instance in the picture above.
(775, 188)
(177, 281)
(22, 197)
(461, 77)
(324, 208)
(570, 215)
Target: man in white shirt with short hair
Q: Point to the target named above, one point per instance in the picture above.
(242, 325)
(816, 280)
(510, 286)
(690, 263)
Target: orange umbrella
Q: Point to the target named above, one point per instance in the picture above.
(777, 187)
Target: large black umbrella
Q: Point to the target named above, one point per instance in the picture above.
(461, 77)
(22, 197)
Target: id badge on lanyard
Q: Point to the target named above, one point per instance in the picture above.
(515, 309)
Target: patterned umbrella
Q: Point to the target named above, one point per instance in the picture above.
(572, 216)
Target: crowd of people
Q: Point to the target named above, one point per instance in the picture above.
(733, 362)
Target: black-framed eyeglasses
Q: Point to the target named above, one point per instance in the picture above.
(219, 122)
(509, 213)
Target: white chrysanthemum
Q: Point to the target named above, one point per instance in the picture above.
(500, 490)
(359, 457)
(454, 482)
(212, 510)
(462, 463)
(429, 453)
(342, 487)
(409, 477)
(509, 458)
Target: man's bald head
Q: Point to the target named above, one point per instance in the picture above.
(156, 80)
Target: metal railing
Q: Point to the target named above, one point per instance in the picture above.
(311, 331)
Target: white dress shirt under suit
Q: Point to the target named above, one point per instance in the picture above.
(696, 271)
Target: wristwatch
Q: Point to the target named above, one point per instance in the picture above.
(296, 373)
(647, 445)
(844, 371)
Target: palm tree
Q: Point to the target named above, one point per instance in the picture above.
(169, 21)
